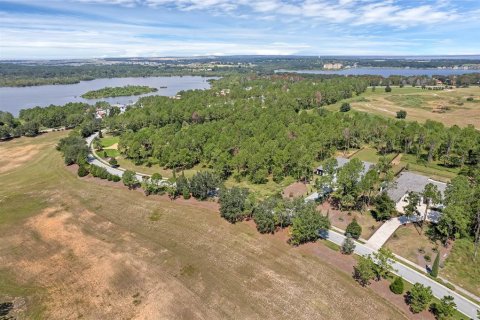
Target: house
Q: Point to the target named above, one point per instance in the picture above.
(341, 161)
(333, 66)
(408, 182)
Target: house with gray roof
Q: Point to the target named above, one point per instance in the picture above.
(412, 182)
(341, 161)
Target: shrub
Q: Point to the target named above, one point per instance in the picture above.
(186, 193)
(116, 178)
(82, 171)
(402, 114)
(388, 89)
(419, 297)
(397, 285)
(345, 107)
(354, 229)
(113, 162)
(348, 245)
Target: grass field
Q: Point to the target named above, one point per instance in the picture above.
(369, 154)
(108, 141)
(422, 104)
(85, 248)
(434, 169)
(461, 268)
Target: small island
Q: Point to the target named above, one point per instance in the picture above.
(108, 92)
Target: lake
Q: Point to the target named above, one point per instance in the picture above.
(12, 99)
(386, 72)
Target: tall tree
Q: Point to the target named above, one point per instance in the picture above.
(431, 195)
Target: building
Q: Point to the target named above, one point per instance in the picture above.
(341, 161)
(411, 182)
(332, 66)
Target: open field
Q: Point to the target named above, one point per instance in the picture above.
(83, 248)
(460, 267)
(447, 106)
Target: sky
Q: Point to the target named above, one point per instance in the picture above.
(65, 29)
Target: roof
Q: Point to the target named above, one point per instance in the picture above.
(409, 181)
(341, 161)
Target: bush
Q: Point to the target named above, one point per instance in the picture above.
(402, 114)
(388, 89)
(348, 245)
(113, 162)
(116, 178)
(82, 171)
(397, 285)
(354, 229)
(345, 107)
(186, 193)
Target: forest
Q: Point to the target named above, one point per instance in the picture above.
(118, 92)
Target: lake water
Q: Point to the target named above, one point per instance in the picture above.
(12, 99)
(386, 72)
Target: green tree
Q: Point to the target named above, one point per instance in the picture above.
(445, 309)
(402, 114)
(264, 218)
(232, 203)
(388, 88)
(383, 263)
(436, 265)
(410, 209)
(307, 225)
(82, 171)
(431, 195)
(354, 229)
(419, 297)
(129, 179)
(202, 184)
(345, 107)
(348, 245)
(384, 207)
(397, 285)
(363, 271)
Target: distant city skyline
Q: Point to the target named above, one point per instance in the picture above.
(75, 29)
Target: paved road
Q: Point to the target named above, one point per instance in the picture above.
(464, 305)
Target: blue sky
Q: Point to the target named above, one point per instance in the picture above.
(126, 28)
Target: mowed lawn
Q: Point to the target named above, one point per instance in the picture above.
(84, 248)
(422, 104)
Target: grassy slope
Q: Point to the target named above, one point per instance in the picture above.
(419, 104)
(223, 270)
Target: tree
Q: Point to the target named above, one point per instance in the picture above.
(113, 162)
(363, 271)
(129, 179)
(431, 195)
(354, 229)
(345, 107)
(348, 245)
(397, 285)
(384, 207)
(445, 309)
(82, 171)
(436, 265)
(264, 218)
(410, 209)
(419, 297)
(307, 225)
(232, 203)
(203, 184)
(388, 89)
(402, 114)
(383, 263)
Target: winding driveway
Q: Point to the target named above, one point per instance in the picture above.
(464, 305)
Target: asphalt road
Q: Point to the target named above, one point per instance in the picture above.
(464, 305)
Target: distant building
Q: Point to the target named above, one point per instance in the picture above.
(332, 66)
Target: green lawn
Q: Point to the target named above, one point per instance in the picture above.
(107, 141)
(261, 191)
(434, 169)
(369, 154)
(461, 269)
